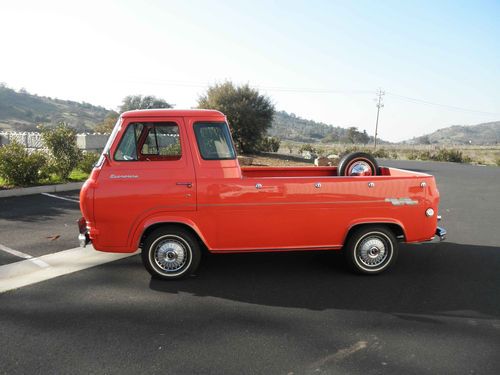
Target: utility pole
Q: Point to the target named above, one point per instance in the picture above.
(380, 104)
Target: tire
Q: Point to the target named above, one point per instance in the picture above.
(170, 253)
(358, 164)
(371, 250)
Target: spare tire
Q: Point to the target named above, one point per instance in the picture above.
(358, 164)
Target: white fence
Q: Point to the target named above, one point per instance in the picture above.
(33, 140)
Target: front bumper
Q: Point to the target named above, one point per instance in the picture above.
(83, 237)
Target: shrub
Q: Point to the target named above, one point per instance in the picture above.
(348, 150)
(381, 153)
(453, 155)
(270, 144)
(498, 162)
(19, 167)
(307, 148)
(425, 155)
(87, 161)
(413, 155)
(61, 142)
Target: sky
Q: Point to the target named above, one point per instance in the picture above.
(438, 62)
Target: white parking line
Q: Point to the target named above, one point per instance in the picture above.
(38, 262)
(63, 198)
(23, 273)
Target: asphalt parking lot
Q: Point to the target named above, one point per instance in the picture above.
(38, 224)
(436, 312)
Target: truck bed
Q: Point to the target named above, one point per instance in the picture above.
(260, 172)
(253, 172)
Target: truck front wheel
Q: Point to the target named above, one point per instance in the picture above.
(171, 252)
(371, 249)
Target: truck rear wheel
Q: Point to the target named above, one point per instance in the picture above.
(171, 252)
(371, 249)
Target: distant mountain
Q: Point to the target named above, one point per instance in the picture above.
(22, 111)
(288, 126)
(482, 134)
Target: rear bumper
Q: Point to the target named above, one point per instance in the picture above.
(441, 233)
(439, 236)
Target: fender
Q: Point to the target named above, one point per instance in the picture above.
(375, 220)
(145, 223)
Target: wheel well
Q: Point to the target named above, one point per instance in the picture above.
(153, 227)
(395, 228)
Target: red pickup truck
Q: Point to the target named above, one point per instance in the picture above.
(169, 182)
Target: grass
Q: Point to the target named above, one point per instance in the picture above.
(75, 176)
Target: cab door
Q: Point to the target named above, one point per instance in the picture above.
(150, 171)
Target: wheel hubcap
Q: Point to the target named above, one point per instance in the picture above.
(170, 255)
(372, 251)
(360, 168)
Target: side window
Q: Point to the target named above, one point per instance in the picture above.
(150, 141)
(214, 141)
(162, 140)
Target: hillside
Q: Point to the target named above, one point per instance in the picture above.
(290, 127)
(22, 111)
(482, 134)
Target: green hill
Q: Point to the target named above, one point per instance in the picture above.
(482, 134)
(21, 111)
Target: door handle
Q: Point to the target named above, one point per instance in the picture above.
(188, 184)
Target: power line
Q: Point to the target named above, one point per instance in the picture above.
(306, 90)
(420, 101)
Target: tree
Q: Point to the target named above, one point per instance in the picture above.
(352, 134)
(249, 113)
(132, 102)
(61, 142)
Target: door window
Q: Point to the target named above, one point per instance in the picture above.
(150, 141)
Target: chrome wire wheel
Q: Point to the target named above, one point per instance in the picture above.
(372, 251)
(170, 255)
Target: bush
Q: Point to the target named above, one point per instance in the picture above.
(348, 150)
(65, 155)
(307, 148)
(381, 153)
(425, 155)
(413, 155)
(87, 161)
(19, 167)
(453, 155)
(270, 144)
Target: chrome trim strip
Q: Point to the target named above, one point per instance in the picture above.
(401, 201)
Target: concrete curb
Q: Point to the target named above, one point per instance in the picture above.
(40, 189)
